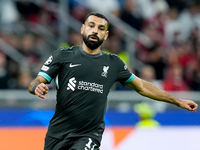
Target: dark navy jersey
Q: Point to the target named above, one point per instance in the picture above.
(83, 82)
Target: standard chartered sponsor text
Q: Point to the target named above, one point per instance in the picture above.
(88, 86)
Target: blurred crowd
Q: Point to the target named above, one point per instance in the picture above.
(171, 59)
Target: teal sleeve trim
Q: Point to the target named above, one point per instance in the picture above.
(130, 79)
(56, 82)
(46, 76)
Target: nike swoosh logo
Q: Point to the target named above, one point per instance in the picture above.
(75, 65)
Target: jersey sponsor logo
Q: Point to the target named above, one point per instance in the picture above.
(75, 65)
(86, 86)
(49, 60)
(90, 86)
(45, 68)
(105, 71)
(71, 84)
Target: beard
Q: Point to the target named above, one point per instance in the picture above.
(92, 44)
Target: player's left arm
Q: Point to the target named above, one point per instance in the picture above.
(149, 90)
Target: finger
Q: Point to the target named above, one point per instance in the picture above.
(43, 89)
(40, 91)
(193, 105)
(44, 86)
(193, 108)
(41, 96)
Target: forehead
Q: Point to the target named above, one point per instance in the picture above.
(96, 20)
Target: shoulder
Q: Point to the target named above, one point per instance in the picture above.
(67, 49)
(110, 55)
(112, 58)
(60, 54)
(63, 51)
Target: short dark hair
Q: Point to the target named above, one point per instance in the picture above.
(97, 15)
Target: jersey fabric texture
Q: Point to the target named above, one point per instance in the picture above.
(83, 82)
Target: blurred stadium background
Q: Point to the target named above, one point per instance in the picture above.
(159, 40)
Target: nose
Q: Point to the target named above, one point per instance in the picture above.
(95, 30)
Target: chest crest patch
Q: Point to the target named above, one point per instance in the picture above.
(105, 71)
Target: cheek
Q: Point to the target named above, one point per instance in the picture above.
(84, 33)
(104, 37)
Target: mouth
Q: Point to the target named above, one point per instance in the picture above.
(93, 38)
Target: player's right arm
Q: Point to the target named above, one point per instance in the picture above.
(38, 87)
(48, 71)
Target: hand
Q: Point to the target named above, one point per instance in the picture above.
(41, 90)
(189, 105)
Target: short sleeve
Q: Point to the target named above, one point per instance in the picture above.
(51, 67)
(124, 75)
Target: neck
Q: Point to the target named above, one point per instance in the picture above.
(89, 51)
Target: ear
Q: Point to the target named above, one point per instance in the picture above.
(82, 28)
(106, 36)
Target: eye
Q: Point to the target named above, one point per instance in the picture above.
(102, 29)
(91, 26)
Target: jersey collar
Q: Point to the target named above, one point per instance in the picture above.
(89, 55)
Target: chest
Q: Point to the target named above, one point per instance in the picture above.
(90, 70)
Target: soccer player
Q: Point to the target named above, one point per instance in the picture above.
(84, 75)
